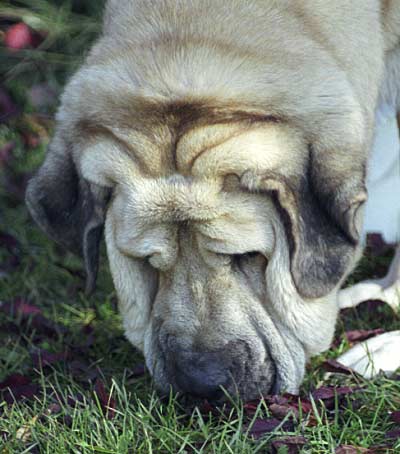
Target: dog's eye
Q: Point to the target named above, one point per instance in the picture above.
(247, 255)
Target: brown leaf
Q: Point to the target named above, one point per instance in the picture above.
(293, 445)
(331, 365)
(17, 393)
(107, 402)
(264, 426)
(32, 316)
(360, 335)
(328, 392)
(395, 416)
(42, 358)
(281, 411)
(24, 433)
(395, 434)
(348, 449)
(14, 380)
(261, 427)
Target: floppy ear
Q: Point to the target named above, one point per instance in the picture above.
(69, 209)
(321, 248)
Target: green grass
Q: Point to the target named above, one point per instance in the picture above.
(50, 279)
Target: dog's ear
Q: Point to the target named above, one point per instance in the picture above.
(68, 208)
(322, 239)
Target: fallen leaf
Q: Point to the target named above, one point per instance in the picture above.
(20, 307)
(292, 445)
(264, 426)
(17, 393)
(360, 335)
(138, 371)
(261, 427)
(107, 402)
(24, 433)
(282, 411)
(251, 407)
(42, 358)
(331, 365)
(83, 371)
(32, 316)
(328, 392)
(15, 380)
(395, 416)
(348, 449)
(395, 434)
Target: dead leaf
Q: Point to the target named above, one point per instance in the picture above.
(264, 426)
(282, 411)
(395, 434)
(16, 387)
(395, 416)
(107, 402)
(293, 445)
(43, 358)
(360, 335)
(348, 449)
(24, 433)
(331, 365)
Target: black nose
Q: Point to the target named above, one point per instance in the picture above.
(202, 374)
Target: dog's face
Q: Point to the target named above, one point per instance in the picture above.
(201, 262)
(225, 242)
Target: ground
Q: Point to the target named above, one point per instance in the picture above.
(71, 382)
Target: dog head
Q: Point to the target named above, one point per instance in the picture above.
(225, 244)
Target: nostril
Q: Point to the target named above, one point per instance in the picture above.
(202, 377)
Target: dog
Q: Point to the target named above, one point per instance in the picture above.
(223, 145)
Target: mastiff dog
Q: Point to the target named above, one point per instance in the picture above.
(222, 145)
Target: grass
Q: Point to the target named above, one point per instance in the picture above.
(69, 415)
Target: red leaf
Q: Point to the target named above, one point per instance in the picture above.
(33, 316)
(293, 445)
(329, 392)
(14, 380)
(360, 335)
(331, 365)
(395, 434)
(281, 411)
(395, 416)
(251, 407)
(42, 358)
(20, 307)
(106, 400)
(16, 393)
(261, 427)
(17, 386)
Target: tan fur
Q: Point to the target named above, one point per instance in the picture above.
(182, 108)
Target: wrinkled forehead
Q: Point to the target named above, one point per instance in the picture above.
(184, 169)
